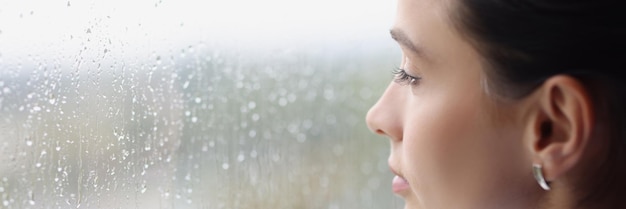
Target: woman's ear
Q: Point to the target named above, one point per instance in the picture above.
(560, 124)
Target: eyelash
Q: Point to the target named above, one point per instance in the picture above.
(403, 78)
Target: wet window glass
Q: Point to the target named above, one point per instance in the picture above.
(193, 104)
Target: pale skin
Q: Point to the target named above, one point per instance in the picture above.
(458, 146)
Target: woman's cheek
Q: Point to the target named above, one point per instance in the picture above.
(439, 141)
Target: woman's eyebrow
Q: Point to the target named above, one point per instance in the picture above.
(402, 39)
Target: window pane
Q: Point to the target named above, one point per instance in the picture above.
(193, 104)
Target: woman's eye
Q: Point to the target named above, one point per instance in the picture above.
(402, 78)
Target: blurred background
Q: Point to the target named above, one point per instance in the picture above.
(193, 104)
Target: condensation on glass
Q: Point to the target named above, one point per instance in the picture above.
(193, 104)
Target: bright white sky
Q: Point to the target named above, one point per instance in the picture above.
(49, 23)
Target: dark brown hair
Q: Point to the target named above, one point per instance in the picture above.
(524, 42)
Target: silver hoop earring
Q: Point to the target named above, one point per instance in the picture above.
(538, 173)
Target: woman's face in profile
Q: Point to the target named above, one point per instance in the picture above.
(451, 145)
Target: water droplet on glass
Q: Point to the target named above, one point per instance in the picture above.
(292, 98)
(198, 100)
(241, 157)
(276, 157)
(225, 166)
(194, 119)
(251, 105)
(29, 142)
(88, 30)
(52, 101)
(68, 4)
(282, 102)
(301, 138)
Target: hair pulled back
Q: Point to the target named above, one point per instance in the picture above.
(525, 42)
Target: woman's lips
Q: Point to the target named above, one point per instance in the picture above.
(400, 185)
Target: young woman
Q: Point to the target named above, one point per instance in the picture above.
(507, 104)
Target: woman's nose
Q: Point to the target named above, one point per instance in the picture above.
(385, 117)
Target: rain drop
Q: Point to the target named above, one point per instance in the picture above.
(282, 102)
(241, 157)
(225, 166)
(301, 138)
(251, 105)
(276, 157)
